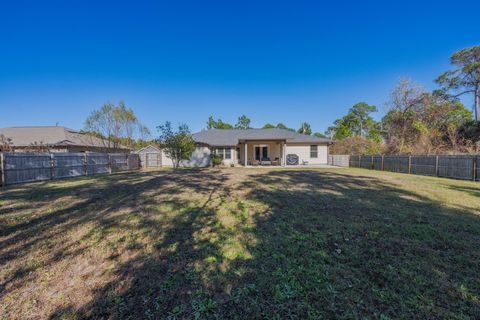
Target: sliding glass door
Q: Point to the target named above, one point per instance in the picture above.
(261, 152)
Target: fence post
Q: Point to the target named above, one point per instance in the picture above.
(109, 163)
(409, 164)
(436, 166)
(85, 164)
(474, 158)
(2, 170)
(126, 158)
(52, 167)
(382, 160)
(372, 164)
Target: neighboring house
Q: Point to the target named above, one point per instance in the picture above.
(257, 147)
(54, 139)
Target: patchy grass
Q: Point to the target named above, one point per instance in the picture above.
(239, 243)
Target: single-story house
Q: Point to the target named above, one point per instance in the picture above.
(53, 139)
(257, 147)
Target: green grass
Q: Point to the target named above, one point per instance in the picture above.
(239, 243)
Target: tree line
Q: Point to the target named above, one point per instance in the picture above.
(243, 122)
(418, 121)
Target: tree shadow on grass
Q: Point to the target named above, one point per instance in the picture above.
(340, 246)
(322, 245)
(473, 191)
(273, 244)
(118, 206)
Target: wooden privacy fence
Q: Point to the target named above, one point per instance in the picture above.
(457, 167)
(28, 167)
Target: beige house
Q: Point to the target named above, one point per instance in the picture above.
(257, 147)
(53, 139)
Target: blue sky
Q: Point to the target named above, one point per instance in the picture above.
(274, 61)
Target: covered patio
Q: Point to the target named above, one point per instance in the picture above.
(262, 152)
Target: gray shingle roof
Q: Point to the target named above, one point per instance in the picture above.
(51, 135)
(231, 137)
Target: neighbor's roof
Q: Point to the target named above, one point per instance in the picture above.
(51, 136)
(230, 137)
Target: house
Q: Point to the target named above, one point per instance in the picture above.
(53, 139)
(257, 147)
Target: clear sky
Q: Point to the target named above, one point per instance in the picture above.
(274, 61)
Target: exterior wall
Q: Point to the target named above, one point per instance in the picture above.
(303, 153)
(274, 150)
(166, 161)
(200, 158)
(233, 160)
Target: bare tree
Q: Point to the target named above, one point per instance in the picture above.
(5, 143)
(404, 102)
(116, 125)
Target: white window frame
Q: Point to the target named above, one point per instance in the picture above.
(316, 151)
(221, 151)
(225, 153)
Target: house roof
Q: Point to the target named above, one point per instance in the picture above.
(230, 137)
(51, 136)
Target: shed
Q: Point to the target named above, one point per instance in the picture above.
(150, 157)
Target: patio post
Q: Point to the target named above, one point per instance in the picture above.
(284, 154)
(246, 154)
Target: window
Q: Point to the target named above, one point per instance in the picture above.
(313, 151)
(228, 153)
(219, 152)
(225, 153)
(238, 153)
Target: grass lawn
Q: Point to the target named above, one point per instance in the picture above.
(241, 243)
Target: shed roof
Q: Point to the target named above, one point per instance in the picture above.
(149, 149)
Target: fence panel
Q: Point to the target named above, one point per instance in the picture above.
(26, 167)
(396, 163)
(424, 165)
(118, 161)
(354, 161)
(365, 162)
(377, 162)
(458, 167)
(339, 160)
(133, 161)
(97, 163)
(68, 165)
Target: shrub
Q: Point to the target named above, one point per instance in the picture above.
(216, 160)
